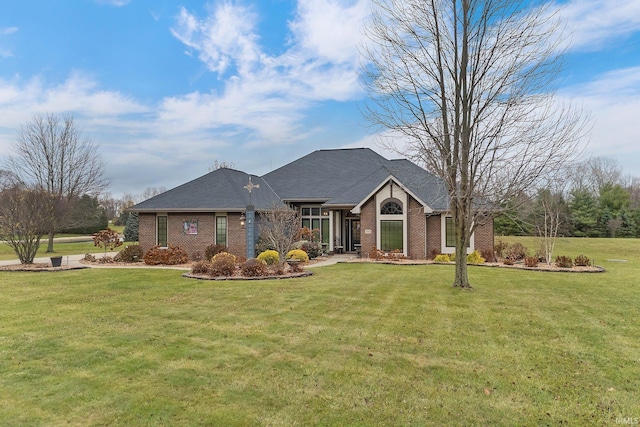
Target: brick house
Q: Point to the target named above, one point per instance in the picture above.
(355, 198)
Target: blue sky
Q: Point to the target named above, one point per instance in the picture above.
(168, 87)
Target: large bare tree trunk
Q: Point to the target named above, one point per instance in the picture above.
(465, 87)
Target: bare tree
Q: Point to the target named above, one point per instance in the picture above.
(24, 218)
(464, 85)
(51, 156)
(221, 165)
(279, 227)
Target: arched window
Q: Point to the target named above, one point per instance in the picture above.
(391, 208)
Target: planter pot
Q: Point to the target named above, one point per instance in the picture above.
(56, 261)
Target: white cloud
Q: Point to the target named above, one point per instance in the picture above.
(613, 100)
(593, 24)
(8, 30)
(266, 96)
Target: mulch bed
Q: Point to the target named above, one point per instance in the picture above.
(517, 266)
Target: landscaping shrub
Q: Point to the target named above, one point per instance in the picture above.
(516, 252)
(582, 261)
(564, 261)
(132, 253)
(475, 258)
(254, 268)
(311, 248)
(452, 257)
(201, 267)
(442, 258)
(170, 255)
(487, 254)
(396, 254)
(500, 248)
(89, 257)
(377, 254)
(270, 257)
(213, 250)
(298, 254)
(223, 264)
(507, 261)
(531, 261)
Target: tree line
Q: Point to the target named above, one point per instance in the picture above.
(591, 199)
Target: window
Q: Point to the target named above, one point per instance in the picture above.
(316, 219)
(221, 230)
(391, 208)
(450, 233)
(161, 234)
(391, 236)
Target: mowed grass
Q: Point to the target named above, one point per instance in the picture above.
(71, 248)
(355, 344)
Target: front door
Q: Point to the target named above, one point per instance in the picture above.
(353, 235)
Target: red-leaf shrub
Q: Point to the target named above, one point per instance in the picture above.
(254, 268)
(564, 261)
(132, 253)
(531, 261)
(223, 264)
(582, 261)
(170, 255)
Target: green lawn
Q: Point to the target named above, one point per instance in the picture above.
(355, 344)
(73, 248)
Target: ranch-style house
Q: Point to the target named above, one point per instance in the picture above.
(356, 199)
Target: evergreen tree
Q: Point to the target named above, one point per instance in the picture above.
(584, 213)
(131, 228)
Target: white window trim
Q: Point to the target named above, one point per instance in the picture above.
(382, 197)
(215, 230)
(159, 214)
(444, 249)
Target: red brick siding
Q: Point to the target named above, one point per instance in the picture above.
(434, 236)
(193, 243)
(416, 230)
(236, 235)
(368, 222)
(483, 236)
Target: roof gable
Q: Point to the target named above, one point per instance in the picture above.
(220, 190)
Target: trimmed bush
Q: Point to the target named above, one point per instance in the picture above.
(223, 264)
(312, 249)
(531, 261)
(213, 250)
(270, 257)
(201, 267)
(254, 267)
(475, 258)
(131, 253)
(488, 255)
(582, 261)
(298, 254)
(171, 255)
(442, 258)
(564, 261)
(516, 252)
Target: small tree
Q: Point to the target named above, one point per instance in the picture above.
(24, 220)
(131, 229)
(107, 238)
(279, 228)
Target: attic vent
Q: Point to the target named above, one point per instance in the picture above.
(391, 208)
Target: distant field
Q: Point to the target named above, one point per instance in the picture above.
(355, 344)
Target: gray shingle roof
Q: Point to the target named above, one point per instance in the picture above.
(220, 190)
(334, 177)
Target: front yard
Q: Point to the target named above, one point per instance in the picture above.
(355, 344)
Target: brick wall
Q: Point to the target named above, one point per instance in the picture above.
(236, 235)
(416, 229)
(193, 243)
(484, 237)
(368, 222)
(434, 236)
(146, 231)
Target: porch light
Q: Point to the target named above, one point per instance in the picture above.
(243, 219)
